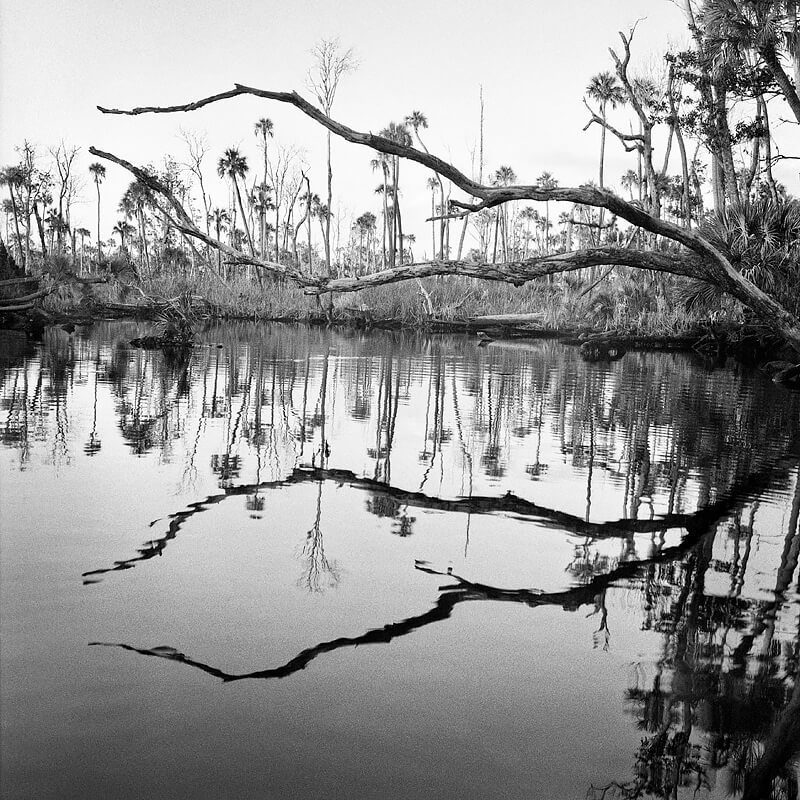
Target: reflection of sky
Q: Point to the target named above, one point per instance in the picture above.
(497, 695)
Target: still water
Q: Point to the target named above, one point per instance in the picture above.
(315, 564)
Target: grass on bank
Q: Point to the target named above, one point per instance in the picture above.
(620, 299)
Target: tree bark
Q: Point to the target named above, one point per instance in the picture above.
(788, 90)
(773, 188)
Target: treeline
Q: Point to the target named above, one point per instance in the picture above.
(710, 105)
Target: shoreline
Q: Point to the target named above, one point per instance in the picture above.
(750, 344)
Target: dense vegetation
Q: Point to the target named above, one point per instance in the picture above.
(676, 243)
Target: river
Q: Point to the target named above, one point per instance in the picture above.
(297, 562)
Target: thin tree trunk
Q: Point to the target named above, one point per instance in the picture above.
(433, 225)
(773, 189)
(15, 213)
(330, 203)
(308, 224)
(397, 208)
(602, 159)
(789, 91)
(40, 228)
(277, 229)
(717, 184)
(244, 216)
(676, 127)
(461, 238)
(385, 221)
(219, 252)
(99, 248)
(725, 147)
(143, 239)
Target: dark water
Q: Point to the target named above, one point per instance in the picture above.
(320, 565)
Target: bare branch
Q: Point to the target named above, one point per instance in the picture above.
(520, 272)
(623, 137)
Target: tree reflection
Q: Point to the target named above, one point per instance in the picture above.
(318, 569)
(677, 452)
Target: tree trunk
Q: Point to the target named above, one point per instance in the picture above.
(433, 225)
(40, 229)
(330, 208)
(461, 238)
(676, 126)
(602, 160)
(99, 247)
(773, 189)
(308, 225)
(788, 90)
(717, 183)
(725, 147)
(244, 216)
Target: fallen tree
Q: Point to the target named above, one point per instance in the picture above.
(697, 257)
(43, 285)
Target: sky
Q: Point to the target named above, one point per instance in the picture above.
(532, 58)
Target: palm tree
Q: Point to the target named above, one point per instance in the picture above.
(52, 221)
(123, 229)
(321, 211)
(233, 165)
(98, 172)
(219, 217)
(411, 238)
(381, 161)
(396, 132)
(417, 120)
(83, 233)
(261, 202)
(503, 176)
(529, 214)
(367, 221)
(137, 197)
(735, 28)
(433, 185)
(605, 89)
(13, 178)
(628, 180)
(546, 181)
(264, 129)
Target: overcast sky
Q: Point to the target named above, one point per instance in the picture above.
(58, 60)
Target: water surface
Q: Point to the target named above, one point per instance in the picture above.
(304, 563)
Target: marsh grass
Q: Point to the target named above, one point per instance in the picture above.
(624, 300)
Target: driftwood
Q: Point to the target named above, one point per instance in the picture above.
(700, 259)
(45, 285)
(508, 319)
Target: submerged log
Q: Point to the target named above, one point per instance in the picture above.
(163, 342)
